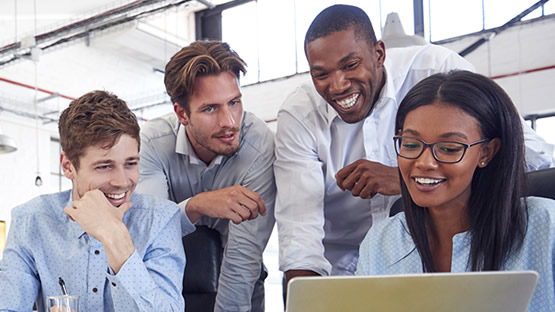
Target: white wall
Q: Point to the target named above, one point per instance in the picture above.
(18, 169)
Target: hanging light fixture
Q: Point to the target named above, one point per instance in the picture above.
(7, 144)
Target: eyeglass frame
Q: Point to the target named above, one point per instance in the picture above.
(431, 146)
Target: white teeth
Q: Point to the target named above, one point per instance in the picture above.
(348, 102)
(427, 180)
(115, 196)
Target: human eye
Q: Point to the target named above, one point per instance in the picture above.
(351, 65)
(410, 145)
(319, 75)
(102, 167)
(235, 102)
(132, 163)
(208, 109)
(449, 147)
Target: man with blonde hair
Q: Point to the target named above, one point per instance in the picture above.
(216, 162)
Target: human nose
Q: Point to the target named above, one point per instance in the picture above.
(426, 159)
(227, 119)
(119, 177)
(339, 83)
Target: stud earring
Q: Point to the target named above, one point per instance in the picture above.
(483, 164)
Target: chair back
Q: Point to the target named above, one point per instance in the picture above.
(542, 183)
(204, 252)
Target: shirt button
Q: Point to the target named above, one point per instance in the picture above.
(95, 289)
(96, 252)
(113, 284)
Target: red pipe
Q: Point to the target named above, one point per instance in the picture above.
(39, 89)
(524, 72)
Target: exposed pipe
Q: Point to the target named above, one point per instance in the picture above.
(496, 31)
(82, 23)
(39, 89)
(86, 31)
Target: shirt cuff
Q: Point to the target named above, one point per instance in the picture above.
(186, 226)
(133, 278)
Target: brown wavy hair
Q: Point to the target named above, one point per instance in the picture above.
(97, 117)
(200, 58)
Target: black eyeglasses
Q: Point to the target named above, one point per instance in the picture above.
(448, 152)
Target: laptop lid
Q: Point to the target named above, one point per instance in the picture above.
(499, 291)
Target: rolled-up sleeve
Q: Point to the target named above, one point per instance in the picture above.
(300, 197)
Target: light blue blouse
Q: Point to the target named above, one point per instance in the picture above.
(389, 249)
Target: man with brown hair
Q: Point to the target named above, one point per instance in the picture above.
(216, 162)
(116, 250)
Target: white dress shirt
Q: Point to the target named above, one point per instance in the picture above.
(320, 226)
(171, 169)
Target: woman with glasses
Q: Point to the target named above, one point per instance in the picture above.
(461, 159)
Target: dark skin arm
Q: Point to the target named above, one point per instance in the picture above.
(366, 178)
(294, 273)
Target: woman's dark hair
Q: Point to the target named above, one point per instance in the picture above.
(498, 220)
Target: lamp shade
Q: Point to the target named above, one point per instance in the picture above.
(7, 144)
(394, 34)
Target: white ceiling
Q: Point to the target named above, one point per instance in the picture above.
(125, 59)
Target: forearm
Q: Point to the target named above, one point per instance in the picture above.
(148, 291)
(299, 209)
(118, 247)
(242, 263)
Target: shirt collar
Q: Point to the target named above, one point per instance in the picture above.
(75, 229)
(183, 146)
(406, 246)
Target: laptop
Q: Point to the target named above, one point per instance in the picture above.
(499, 291)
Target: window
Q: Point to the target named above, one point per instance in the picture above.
(545, 127)
(58, 182)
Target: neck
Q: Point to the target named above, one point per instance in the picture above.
(445, 224)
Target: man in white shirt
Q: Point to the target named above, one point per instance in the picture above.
(215, 161)
(336, 167)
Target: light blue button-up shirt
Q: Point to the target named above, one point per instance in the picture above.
(389, 249)
(43, 245)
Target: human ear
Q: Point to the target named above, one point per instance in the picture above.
(67, 166)
(488, 151)
(181, 114)
(379, 49)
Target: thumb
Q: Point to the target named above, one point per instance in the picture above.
(123, 208)
(68, 211)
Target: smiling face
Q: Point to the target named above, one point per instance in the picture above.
(114, 171)
(347, 72)
(214, 123)
(433, 184)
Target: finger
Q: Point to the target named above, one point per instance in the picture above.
(368, 192)
(351, 180)
(358, 187)
(236, 219)
(260, 205)
(251, 206)
(123, 208)
(241, 211)
(69, 211)
(342, 174)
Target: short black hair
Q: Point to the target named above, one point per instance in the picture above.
(341, 17)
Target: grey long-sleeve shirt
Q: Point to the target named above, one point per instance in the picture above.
(170, 168)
